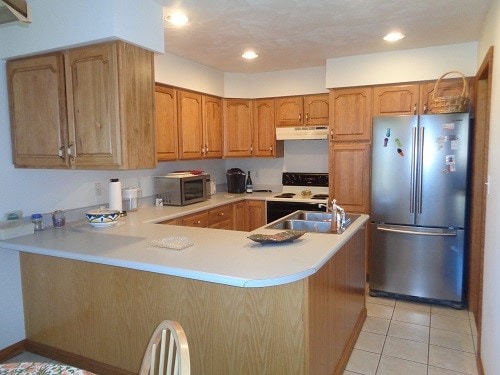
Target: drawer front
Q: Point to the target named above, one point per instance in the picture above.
(220, 214)
(199, 220)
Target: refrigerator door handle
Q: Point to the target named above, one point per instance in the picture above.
(419, 169)
(419, 231)
(413, 168)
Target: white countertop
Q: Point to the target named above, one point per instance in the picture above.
(221, 256)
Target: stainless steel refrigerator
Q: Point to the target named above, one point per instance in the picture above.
(419, 207)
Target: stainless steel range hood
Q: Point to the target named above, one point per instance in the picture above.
(302, 132)
(14, 11)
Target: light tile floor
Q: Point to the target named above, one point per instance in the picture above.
(406, 338)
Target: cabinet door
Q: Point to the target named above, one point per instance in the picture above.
(316, 109)
(350, 175)
(199, 220)
(264, 131)
(240, 216)
(190, 123)
(93, 106)
(256, 214)
(38, 111)
(290, 111)
(351, 114)
(237, 127)
(447, 87)
(396, 100)
(166, 123)
(212, 126)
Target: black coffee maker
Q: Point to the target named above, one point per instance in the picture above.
(235, 181)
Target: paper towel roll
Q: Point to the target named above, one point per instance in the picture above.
(115, 194)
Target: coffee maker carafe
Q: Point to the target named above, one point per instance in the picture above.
(235, 181)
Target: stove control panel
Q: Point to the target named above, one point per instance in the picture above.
(304, 179)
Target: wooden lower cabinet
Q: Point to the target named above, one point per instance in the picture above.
(240, 216)
(199, 219)
(244, 216)
(350, 175)
(256, 214)
(104, 315)
(221, 217)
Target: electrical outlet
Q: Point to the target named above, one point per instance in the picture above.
(98, 189)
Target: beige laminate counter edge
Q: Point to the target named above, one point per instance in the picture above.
(220, 256)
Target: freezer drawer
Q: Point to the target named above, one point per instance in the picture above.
(418, 262)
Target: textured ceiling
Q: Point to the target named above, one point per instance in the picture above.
(291, 34)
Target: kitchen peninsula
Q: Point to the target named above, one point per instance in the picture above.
(291, 308)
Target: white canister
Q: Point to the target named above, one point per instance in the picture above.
(130, 198)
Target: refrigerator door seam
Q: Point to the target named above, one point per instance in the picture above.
(420, 169)
(414, 165)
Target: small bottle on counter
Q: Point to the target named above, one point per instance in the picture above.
(249, 185)
(38, 221)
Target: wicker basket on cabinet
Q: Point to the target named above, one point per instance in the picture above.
(450, 104)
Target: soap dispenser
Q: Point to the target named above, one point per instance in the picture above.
(334, 224)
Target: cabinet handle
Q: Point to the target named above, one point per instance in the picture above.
(307, 116)
(206, 149)
(415, 109)
(425, 108)
(221, 213)
(331, 134)
(198, 222)
(61, 152)
(300, 116)
(251, 150)
(271, 148)
(70, 153)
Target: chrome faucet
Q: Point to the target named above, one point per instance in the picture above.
(339, 221)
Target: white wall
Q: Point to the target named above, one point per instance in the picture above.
(401, 66)
(281, 83)
(177, 71)
(490, 335)
(57, 24)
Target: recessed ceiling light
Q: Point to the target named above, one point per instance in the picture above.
(177, 19)
(249, 55)
(394, 36)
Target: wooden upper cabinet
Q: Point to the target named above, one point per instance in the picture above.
(212, 126)
(237, 127)
(289, 111)
(111, 88)
(396, 100)
(349, 173)
(316, 109)
(447, 87)
(96, 113)
(38, 111)
(302, 110)
(351, 114)
(189, 116)
(166, 123)
(264, 131)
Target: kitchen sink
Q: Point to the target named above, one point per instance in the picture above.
(310, 221)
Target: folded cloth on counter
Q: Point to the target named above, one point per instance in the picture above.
(34, 368)
(174, 242)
